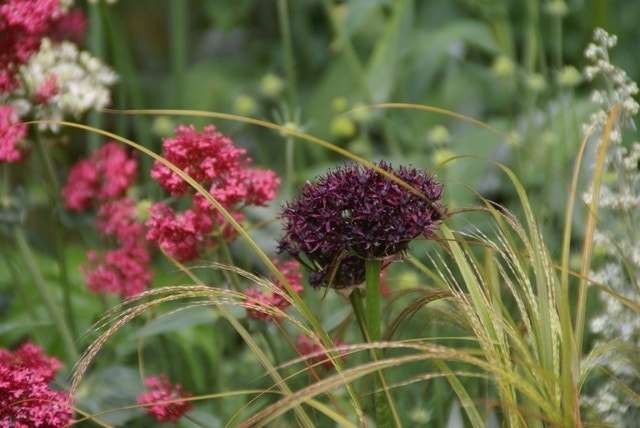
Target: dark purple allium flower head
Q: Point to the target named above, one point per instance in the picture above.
(355, 213)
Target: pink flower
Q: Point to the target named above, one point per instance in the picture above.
(156, 399)
(123, 271)
(260, 302)
(12, 133)
(206, 156)
(25, 397)
(317, 353)
(70, 26)
(262, 186)
(183, 236)
(211, 159)
(118, 218)
(107, 174)
(47, 90)
(22, 25)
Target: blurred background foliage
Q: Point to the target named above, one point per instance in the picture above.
(321, 67)
(317, 64)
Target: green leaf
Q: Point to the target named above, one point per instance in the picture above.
(178, 320)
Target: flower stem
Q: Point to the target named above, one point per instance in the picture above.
(369, 321)
(45, 292)
(372, 272)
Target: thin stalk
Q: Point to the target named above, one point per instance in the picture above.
(287, 47)
(95, 43)
(292, 90)
(178, 43)
(381, 396)
(56, 192)
(373, 268)
(45, 292)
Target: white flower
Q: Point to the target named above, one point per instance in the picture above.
(81, 82)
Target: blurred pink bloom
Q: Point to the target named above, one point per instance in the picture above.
(262, 186)
(107, 174)
(123, 271)
(12, 133)
(160, 392)
(25, 397)
(71, 26)
(290, 269)
(22, 25)
(47, 90)
(118, 218)
(318, 354)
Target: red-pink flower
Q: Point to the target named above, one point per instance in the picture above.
(22, 25)
(47, 90)
(164, 401)
(317, 353)
(122, 271)
(25, 397)
(261, 302)
(208, 157)
(118, 218)
(183, 236)
(212, 160)
(107, 174)
(12, 133)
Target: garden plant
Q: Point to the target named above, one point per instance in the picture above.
(319, 213)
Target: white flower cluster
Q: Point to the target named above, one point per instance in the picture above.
(79, 82)
(620, 88)
(617, 239)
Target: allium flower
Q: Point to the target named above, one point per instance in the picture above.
(11, 134)
(122, 271)
(259, 299)
(355, 213)
(156, 399)
(317, 353)
(106, 175)
(25, 397)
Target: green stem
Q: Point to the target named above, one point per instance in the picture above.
(56, 192)
(373, 268)
(45, 292)
(372, 284)
(178, 50)
(292, 91)
(369, 322)
(287, 46)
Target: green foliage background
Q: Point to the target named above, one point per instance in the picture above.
(502, 63)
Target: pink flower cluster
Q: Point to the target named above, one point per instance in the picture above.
(25, 397)
(212, 160)
(23, 24)
(12, 133)
(104, 179)
(317, 353)
(261, 304)
(107, 175)
(163, 400)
